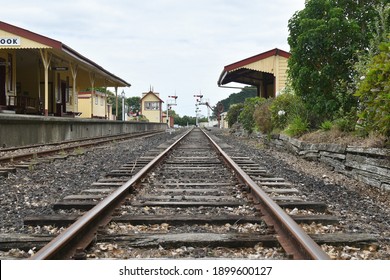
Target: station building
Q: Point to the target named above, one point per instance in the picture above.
(266, 71)
(43, 76)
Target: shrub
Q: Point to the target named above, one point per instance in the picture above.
(263, 117)
(286, 107)
(246, 115)
(297, 127)
(345, 124)
(326, 125)
(233, 113)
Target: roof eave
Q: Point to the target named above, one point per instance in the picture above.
(89, 62)
(57, 45)
(257, 57)
(30, 35)
(154, 95)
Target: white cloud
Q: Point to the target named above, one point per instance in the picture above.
(173, 45)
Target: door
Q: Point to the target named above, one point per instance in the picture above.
(63, 96)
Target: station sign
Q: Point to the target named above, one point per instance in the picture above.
(9, 41)
(59, 68)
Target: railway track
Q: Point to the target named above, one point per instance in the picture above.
(28, 156)
(187, 198)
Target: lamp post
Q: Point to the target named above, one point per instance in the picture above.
(123, 105)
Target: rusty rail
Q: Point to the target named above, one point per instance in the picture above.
(291, 236)
(104, 139)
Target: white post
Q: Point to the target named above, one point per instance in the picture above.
(123, 105)
(168, 116)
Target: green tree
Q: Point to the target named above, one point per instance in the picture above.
(325, 38)
(134, 104)
(184, 121)
(374, 93)
(238, 97)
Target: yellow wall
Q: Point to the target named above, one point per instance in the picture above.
(85, 106)
(281, 79)
(24, 42)
(99, 110)
(276, 65)
(264, 65)
(151, 115)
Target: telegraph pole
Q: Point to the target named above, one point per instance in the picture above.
(198, 102)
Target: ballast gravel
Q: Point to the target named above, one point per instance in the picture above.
(32, 191)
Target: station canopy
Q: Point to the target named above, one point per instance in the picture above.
(16, 38)
(266, 71)
(40, 75)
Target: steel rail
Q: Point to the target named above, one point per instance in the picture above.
(72, 147)
(80, 234)
(292, 237)
(61, 142)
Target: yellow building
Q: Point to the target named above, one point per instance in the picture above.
(93, 104)
(151, 106)
(40, 75)
(266, 71)
(224, 122)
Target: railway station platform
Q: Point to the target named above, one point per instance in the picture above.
(21, 130)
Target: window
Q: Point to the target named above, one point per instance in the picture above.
(96, 99)
(152, 105)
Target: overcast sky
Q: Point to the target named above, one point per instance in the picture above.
(175, 46)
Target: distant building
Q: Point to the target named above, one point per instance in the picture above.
(224, 122)
(94, 105)
(165, 120)
(151, 106)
